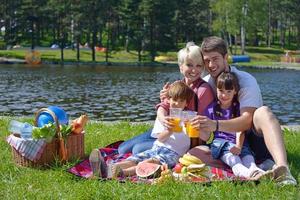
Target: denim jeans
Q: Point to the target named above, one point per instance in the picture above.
(137, 144)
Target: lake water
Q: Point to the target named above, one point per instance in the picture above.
(121, 93)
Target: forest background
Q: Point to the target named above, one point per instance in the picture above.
(147, 26)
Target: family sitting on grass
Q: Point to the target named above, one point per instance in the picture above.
(245, 131)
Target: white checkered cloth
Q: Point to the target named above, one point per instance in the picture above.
(29, 148)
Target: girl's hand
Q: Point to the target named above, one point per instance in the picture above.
(163, 94)
(204, 132)
(195, 122)
(207, 124)
(235, 150)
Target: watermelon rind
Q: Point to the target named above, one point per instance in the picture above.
(154, 170)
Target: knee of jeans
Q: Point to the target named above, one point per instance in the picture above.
(138, 148)
(123, 148)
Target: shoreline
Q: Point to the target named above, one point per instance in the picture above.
(292, 127)
(275, 65)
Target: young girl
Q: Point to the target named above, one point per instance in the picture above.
(167, 149)
(231, 147)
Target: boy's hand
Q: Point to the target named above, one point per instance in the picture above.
(235, 150)
(163, 94)
(166, 122)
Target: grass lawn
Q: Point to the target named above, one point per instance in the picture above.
(260, 56)
(56, 183)
(48, 54)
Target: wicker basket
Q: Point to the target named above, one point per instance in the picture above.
(74, 144)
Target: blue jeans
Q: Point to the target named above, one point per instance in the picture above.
(137, 144)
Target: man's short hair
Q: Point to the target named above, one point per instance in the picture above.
(214, 43)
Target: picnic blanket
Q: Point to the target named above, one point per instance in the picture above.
(111, 155)
(29, 148)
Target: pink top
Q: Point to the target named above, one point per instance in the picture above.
(204, 93)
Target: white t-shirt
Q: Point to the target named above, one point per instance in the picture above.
(249, 94)
(178, 142)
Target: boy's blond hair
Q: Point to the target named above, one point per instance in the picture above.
(191, 51)
(179, 90)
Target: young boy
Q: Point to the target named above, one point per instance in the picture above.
(167, 149)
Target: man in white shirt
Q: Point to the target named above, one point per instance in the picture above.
(265, 129)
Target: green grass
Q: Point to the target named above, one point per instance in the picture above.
(260, 56)
(56, 183)
(85, 55)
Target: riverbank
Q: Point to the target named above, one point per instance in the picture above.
(259, 65)
(260, 57)
(293, 127)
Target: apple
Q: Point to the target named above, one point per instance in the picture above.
(177, 168)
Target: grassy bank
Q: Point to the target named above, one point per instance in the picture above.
(56, 183)
(260, 56)
(52, 55)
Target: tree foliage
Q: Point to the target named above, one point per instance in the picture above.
(147, 25)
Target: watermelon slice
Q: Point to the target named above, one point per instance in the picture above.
(148, 170)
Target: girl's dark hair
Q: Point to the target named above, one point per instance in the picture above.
(228, 81)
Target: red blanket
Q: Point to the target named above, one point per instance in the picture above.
(110, 154)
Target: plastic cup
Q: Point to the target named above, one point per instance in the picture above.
(26, 131)
(15, 126)
(191, 131)
(175, 113)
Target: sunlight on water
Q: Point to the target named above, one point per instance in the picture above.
(121, 93)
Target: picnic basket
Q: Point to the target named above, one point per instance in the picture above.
(73, 144)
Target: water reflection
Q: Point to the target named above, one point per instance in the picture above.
(120, 93)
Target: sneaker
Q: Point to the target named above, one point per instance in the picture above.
(283, 176)
(97, 163)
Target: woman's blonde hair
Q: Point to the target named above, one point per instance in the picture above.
(191, 51)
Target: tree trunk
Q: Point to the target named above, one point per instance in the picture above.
(93, 45)
(229, 42)
(235, 47)
(77, 49)
(62, 46)
(100, 37)
(298, 34)
(282, 33)
(152, 48)
(242, 39)
(127, 39)
(269, 26)
(107, 46)
(62, 54)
